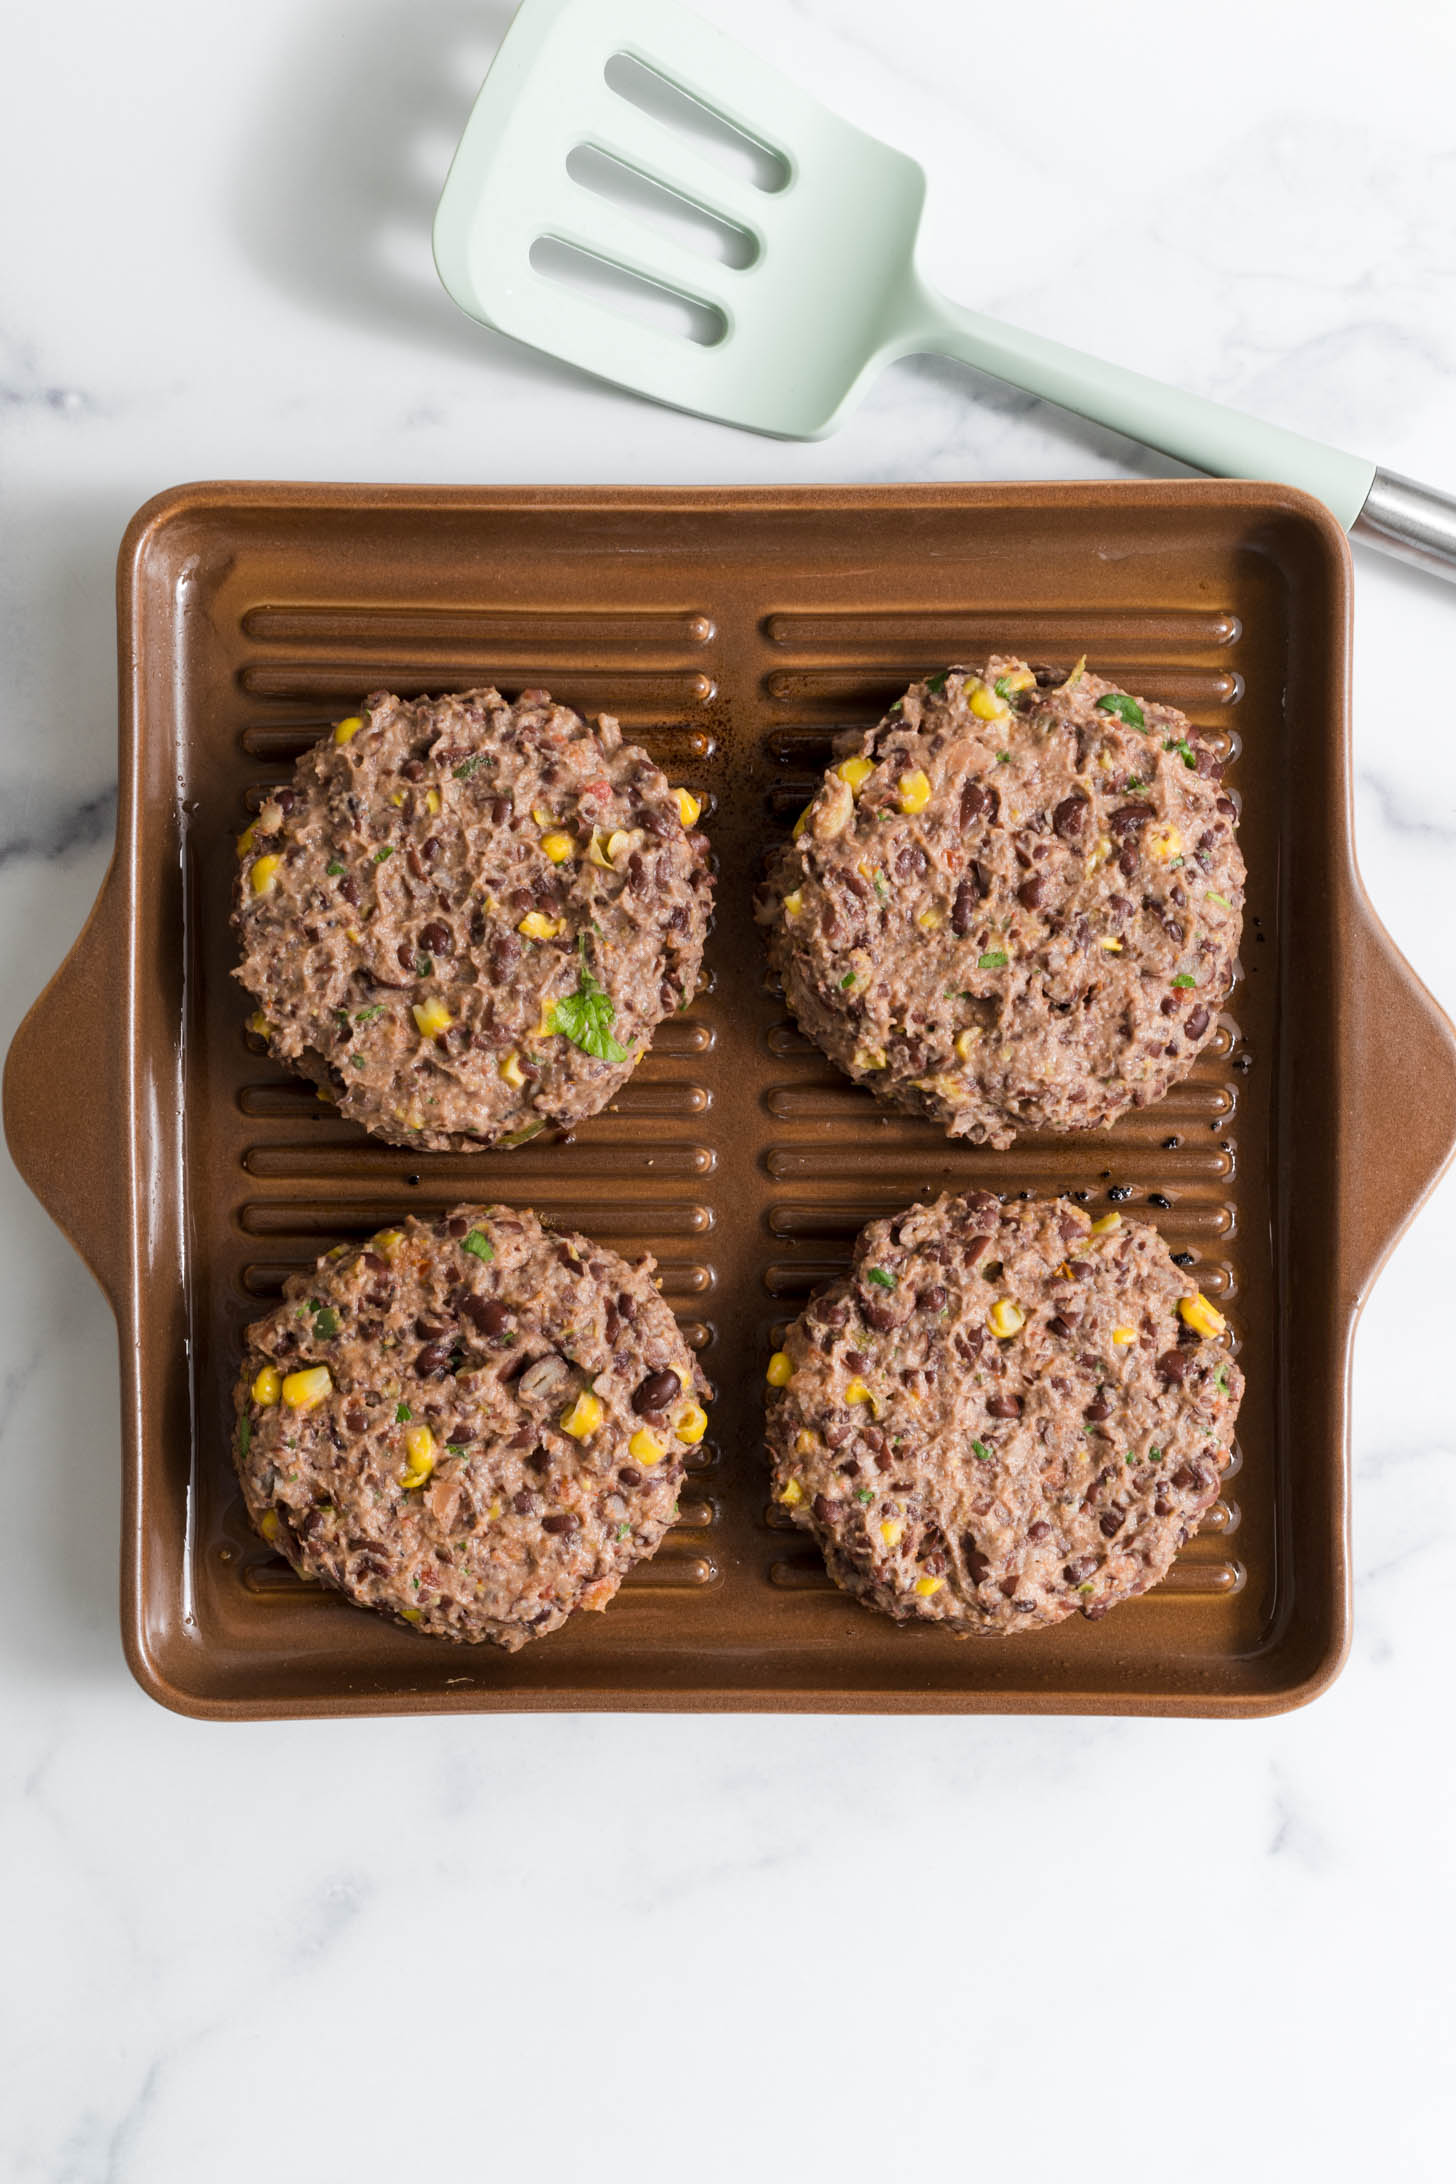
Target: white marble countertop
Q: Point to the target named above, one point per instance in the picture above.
(217, 264)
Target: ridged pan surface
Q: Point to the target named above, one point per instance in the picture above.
(733, 633)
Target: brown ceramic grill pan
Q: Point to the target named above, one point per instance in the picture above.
(733, 631)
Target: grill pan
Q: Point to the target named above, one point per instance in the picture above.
(733, 631)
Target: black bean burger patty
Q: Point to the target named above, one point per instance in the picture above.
(466, 919)
(1013, 908)
(1003, 1414)
(470, 1423)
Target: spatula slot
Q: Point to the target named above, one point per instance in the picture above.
(745, 157)
(689, 224)
(630, 295)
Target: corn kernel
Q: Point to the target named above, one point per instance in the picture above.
(510, 1068)
(542, 816)
(411, 1615)
(583, 1417)
(596, 850)
(327, 1097)
(793, 903)
(537, 926)
(494, 1511)
(691, 1423)
(802, 821)
(985, 704)
(558, 847)
(1122, 1336)
(1164, 842)
(398, 799)
(1020, 678)
(1106, 1224)
(914, 792)
(419, 1449)
(689, 807)
(432, 1017)
(965, 1040)
(269, 1525)
(780, 1369)
(1113, 947)
(856, 772)
(644, 1447)
(857, 1392)
(266, 1387)
(263, 874)
(346, 730)
(806, 1444)
(387, 1242)
(892, 1531)
(432, 802)
(1005, 1318)
(791, 1494)
(245, 839)
(925, 1586)
(304, 1390)
(872, 1058)
(1101, 851)
(928, 919)
(1196, 1312)
(620, 844)
(258, 1023)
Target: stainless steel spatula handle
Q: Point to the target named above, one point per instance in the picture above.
(1413, 521)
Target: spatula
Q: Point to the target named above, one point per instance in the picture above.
(823, 289)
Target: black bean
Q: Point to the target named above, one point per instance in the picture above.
(1111, 1523)
(1075, 1572)
(1004, 1406)
(1058, 1326)
(564, 1521)
(349, 888)
(1097, 1410)
(1029, 893)
(434, 1358)
(437, 939)
(910, 861)
(524, 1502)
(1197, 1024)
(978, 1565)
(355, 1419)
(973, 802)
(413, 769)
(656, 1392)
(980, 879)
(1070, 817)
(932, 1299)
(823, 1508)
(1172, 1365)
(963, 910)
(404, 956)
(855, 1361)
(1038, 1531)
(487, 1315)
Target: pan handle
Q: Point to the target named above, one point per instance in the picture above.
(1400, 1063)
(65, 1095)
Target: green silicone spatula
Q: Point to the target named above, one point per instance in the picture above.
(822, 289)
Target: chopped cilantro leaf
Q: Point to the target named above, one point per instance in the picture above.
(979, 1449)
(1127, 709)
(623, 1531)
(1183, 979)
(333, 870)
(1003, 758)
(454, 1448)
(1220, 1381)
(357, 1061)
(846, 982)
(883, 1277)
(403, 1415)
(882, 887)
(935, 684)
(1155, 1455)
(1002, 689)
(325, 1322)
(468, 766)
(993, 960)
(585, 1017)
(1222, 900)
(1134, 785)
(864, 1493)
(367, 1016)
(1184, 748)
(386, 850)
(478, 1244)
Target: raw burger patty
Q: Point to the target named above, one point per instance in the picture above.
(1015, 909)
(470, 1423)
(1002, 1415)
(466, 919)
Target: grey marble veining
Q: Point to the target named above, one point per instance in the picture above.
(639, 1949)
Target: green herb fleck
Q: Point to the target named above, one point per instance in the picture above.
(478, 1244)
(386, 851)
(882, 888)
(1222, 900)
(403, 1415)
(1183, 979)
(846, 982)
(1220, 1381)
(467, 767)
(883, 1278)
(245, 1433)
(367, 1016)
(1155, 1455)
(1002, 689)
(1184, 748)
(454, 1448)
(935, 684)
(623, 1531)
(1134, 785)
(357, 1061)
(979, 1449)
(1173, 863)
(332, 871)
(1084, 1588)
(993, 960)
(1003, 758)
(325, 1322)
(864, 1493)
(585, 1017)
(1127, 709)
